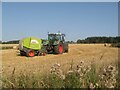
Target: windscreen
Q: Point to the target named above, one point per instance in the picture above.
(53, 37)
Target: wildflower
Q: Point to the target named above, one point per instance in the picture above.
(69, 72)
(108, 76)
(81, 74)
(63, 77)
(55, 69)
(96, 84)
(111, 86)
(92, 86)
(42, 83)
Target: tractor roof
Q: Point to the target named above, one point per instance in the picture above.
(56, 34)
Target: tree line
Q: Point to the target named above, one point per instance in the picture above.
(10, 42)
(100, 40)
(86, 40)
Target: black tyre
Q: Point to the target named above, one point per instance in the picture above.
(66, 48)
(30, 53)
(66, 51)
(22, 53)
(42, 52)
(59, 49)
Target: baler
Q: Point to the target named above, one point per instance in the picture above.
(31, 46)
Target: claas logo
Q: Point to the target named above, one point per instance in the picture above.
(34, 42)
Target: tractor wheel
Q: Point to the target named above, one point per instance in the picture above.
(66, 50)
(30, 53)
(42, 52)
(59, 49)
(22, 53)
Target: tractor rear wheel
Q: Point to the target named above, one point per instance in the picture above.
(59, 49)
(30, 53)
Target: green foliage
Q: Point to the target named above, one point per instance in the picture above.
(7, 47)
(97, 39)
(92, 76)
(72, 81)
(115, 45)
(52, 80)
(11, 42)
(100, 40)
(118, 75)
(70, 42)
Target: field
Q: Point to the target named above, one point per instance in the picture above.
(89, 53)
(8, 46)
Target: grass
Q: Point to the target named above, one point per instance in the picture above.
(115, 45)
(37, 72)
(81, 76)
(8, 46)
(4, 48)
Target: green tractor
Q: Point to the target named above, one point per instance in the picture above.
(31, 46)
(56, 43)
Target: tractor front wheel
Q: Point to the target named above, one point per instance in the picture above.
(42, 52)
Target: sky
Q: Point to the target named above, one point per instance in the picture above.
(77, 20)
(59, 0)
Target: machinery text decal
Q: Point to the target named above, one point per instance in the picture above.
(34, 41)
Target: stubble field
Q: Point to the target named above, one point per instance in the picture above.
(89, 53)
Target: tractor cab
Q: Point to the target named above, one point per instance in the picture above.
(56, 37)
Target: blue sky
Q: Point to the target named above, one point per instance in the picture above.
(76, 20)
(59, 0)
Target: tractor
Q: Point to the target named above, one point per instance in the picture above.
(31, 46)
(56, 43)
